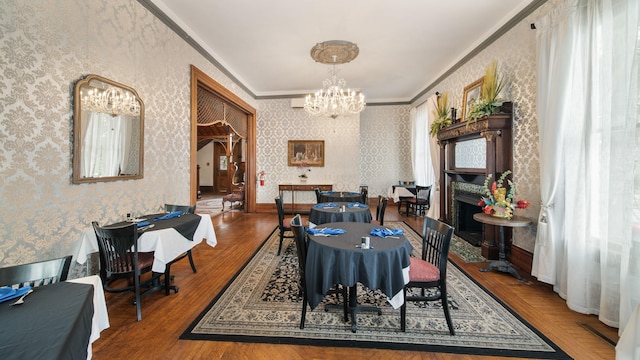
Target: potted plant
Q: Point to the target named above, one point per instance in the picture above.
(303, 171)
(441, 114)
(489, 102)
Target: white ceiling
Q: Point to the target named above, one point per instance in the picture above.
(405, 45)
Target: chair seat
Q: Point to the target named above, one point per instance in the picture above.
(422, 271)
(417, 201)
(233, 197)
(145, 259)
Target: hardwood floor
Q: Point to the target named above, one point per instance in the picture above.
(164, 318)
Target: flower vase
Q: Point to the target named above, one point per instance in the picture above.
(500, 212)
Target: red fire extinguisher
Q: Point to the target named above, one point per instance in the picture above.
(262, 177)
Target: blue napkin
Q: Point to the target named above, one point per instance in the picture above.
(326, 192)
(165, 217)
(386, 232)
(353, 193)
(326, 231)
(325, 205)
(357, 205)
(142, 223)
(7, 293)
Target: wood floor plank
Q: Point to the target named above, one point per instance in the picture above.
(239, 235)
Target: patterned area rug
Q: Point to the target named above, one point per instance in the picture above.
(261, 304)
(209, 206)
(459, 246)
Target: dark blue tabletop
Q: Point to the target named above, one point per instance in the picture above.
(321, 215)
(336, 260)
(53, 323)
(340, 196)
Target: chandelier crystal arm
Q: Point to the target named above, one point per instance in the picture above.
(333, 99)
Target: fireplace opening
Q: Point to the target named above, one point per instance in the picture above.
(467, 228)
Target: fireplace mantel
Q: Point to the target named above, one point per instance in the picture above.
(497, 133)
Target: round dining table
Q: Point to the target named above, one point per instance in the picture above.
(340, 196)
(340, 259)
(326, 213)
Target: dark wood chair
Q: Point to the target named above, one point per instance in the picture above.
(420, 203)
(380, 209)
(364, 190)
(300, 238)
(119, 258)
(36, 274)
(430, 271)
(318, 195)
(186, 209)
(284, 225)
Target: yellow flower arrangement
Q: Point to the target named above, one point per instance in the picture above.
(489, 102)
(498, 201)
(441, 114)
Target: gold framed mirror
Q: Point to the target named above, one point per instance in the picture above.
(108, 131)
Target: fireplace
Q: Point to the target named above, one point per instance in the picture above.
(465, 197)
(469, 152)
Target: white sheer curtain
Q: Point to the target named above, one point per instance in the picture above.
(102, 145)
(434, 151)
(587, 118)
(420, 154)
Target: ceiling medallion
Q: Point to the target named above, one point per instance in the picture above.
(333, 99)
(334, 52)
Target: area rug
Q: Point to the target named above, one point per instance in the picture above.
(460, 247)
(261, 304)
(209, 206)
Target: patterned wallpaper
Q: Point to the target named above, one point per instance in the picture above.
(471, 154)
(47, 45)
(516, 56)
(370, 149)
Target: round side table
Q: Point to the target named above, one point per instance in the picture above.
(502, 264)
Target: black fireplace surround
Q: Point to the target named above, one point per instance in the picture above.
(465, 198)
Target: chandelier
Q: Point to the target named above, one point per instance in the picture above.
(112, 100)
(333, 99)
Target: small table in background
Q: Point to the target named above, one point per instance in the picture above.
(502, 264)
(341, 196)
(322, 215)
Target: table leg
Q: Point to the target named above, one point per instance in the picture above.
(354, 308)
(502, 264)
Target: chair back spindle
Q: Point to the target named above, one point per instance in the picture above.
(36, 274)
(186, 209)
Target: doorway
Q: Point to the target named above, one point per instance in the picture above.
(221, 117)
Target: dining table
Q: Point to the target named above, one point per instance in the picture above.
(341, 259)
(340, 196)
(56, 321)
(339, 212)
(167, 238)
(401, 193)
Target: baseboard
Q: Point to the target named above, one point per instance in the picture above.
(521, 259)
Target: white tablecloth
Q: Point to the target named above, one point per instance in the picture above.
(167, 244)
(399, 192)
(100, 320)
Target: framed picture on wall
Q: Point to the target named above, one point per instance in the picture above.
(470, 97)
(305, 153)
